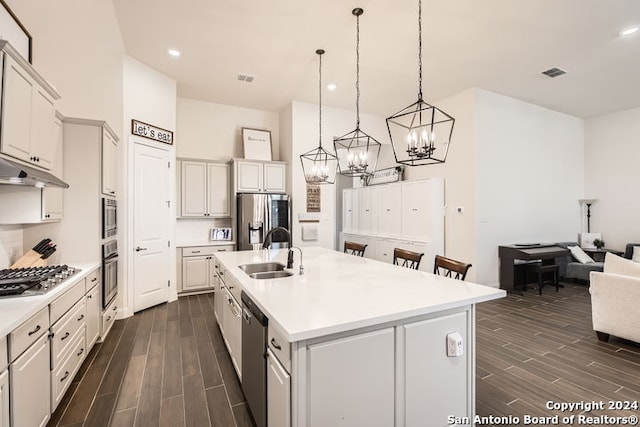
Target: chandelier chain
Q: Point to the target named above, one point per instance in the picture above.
(420, 50)
(358, 71)
(320, 98)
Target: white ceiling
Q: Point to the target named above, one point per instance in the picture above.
(498, 45)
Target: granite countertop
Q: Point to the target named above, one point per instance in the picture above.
(340, 292)
(16, 310)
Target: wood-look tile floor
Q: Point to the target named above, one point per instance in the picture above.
(534, 349)
(168, 366)
(164, 366)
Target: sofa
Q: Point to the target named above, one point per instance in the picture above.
(615, 294)
(570, 269)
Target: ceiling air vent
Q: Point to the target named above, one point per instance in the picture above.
(554, 72)
(245, 78)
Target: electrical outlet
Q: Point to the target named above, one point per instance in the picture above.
(455, 345)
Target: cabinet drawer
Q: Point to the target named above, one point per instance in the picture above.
(27, 333)
(108, 317)
(3, 353)
(92, 279)
(199, 250)
(223, 248)
(64, 332)
(62, 304)
(280, 347)
(62, 377)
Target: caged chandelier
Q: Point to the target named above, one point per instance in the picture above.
(319, 165)
(420, 133)
(357, 152)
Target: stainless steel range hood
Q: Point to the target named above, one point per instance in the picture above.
(14, 173)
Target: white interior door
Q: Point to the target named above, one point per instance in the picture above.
(150, 226)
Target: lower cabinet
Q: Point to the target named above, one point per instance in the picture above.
(232, 320)
(196, 267)
(278, 392)
(94, 310)
(381, 248)
(31, 386)
(4, 398)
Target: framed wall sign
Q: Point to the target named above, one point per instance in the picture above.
(146, 130)
(313, 198)
(12, 30)
(256, 144)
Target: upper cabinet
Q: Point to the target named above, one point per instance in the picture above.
(253, 176)
(28, 112)
(204, 188)
(109, 163)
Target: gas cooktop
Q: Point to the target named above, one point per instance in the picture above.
(33, 280)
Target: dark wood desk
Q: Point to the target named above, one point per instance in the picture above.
(509, 253)
(599, 254)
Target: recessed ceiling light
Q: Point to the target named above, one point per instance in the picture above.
(629, 30)
(331, 87)
(174, 52)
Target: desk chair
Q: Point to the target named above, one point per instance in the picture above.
(354, 248)
(542, 269)
(407, 258)
(447, 267)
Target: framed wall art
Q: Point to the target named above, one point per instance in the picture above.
(12, 30)
(256, 144)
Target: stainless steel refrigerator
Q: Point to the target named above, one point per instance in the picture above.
(257, 213)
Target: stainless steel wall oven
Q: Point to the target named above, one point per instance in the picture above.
(109, 217)
(109, 272)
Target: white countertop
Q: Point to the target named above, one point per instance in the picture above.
(190, 243)
(340, 292)
(15, 310)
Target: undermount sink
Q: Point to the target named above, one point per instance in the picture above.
(270, 274)
(263, 267)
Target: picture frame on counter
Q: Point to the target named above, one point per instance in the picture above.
(256, 144)
(221, 233)
(12, 30)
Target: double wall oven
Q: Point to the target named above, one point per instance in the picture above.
(109, 251)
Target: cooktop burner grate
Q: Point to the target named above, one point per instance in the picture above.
(32, 280)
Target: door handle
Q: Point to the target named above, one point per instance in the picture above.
(138, 249)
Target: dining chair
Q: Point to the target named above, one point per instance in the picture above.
(447, 267)
(354, 248)
(407, 258)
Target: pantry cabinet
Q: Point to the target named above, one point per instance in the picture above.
(109, 146)
(204, 189)
(28, 112)
(251, 176)
(52, 196)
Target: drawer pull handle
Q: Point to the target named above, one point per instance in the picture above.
(65, 337)
(35, 330)
(108, 318)
(195, 252)
(275, 344)
(81, 317)
(66, 375)
(81, 351)
(90, 296)
(95, 279)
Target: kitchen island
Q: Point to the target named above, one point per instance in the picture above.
(358, 342)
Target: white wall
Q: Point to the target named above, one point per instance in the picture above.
(10, 244)
(149, 96)
(529, 177)
(611, 164)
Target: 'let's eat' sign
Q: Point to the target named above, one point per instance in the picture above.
(152, 132)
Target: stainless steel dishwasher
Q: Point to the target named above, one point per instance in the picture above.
(254, 362)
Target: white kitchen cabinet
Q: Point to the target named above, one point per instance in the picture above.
(109, 146)
(251, 176)
(4, 399)
(334, 381)
(390, 207)
(426, 363)
(52, 197)
(232, 320)
(31, 386)
(368, 208)
(204, 188)
(28, 112)
(108, 319)
(278, 393)
(350, 210)
(384, 249)
(416, 212)
(197, 267)
(94, 308)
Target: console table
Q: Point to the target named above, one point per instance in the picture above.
(509, 253)
(599, 254)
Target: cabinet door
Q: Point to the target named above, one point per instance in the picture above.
(389, 217)
(426, 364)
(249, 177)
(94, 310)
(31, 386)
(218, 190)
(109, 163)
(416, 210)
(193, 188)
(274, 177)
(233, 331)
(336, 371)
(195, 272)
(278, 392)
(52, 197)
(4, 399)
(350, 210)
(43, 132)
(384, 249)
(368, 210)
(16, 111)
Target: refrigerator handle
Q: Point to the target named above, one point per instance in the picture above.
(267, 214)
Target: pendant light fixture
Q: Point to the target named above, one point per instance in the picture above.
(357, 152)
(421, 133)
(319, 165)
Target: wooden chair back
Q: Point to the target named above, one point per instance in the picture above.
(407, 258)
(354, 248)
(450, 267)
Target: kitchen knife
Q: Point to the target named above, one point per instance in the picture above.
(33, 255)
(48, 252)
(40, 247)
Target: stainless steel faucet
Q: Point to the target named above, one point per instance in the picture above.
(290, 259)
(267, 244)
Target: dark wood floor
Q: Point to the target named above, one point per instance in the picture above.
(533, 349)
(167, 366)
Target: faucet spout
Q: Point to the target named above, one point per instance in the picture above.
(267, 238)
(290, 259)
